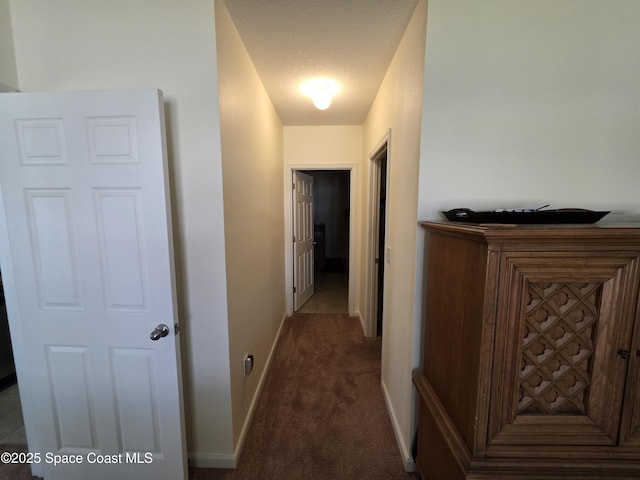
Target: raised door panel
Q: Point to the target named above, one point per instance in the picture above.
(558, 378)
(69, 378)
(120, 222)
(53, 248)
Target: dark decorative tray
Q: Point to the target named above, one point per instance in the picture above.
(562, 215)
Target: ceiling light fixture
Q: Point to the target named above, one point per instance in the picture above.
(321, 90)
(322, 96)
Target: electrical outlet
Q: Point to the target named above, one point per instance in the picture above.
(388, 256)
(248, 365)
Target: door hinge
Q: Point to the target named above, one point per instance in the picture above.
(295, 289)
(294, 239)
(176, 328)
(293, 186)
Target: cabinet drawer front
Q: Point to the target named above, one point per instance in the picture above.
(562, 318)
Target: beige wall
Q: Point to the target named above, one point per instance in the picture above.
(313, 146)
(169, 44)
(252, 159)
(398, 107)
(8, 73)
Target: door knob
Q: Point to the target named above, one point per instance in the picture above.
(160, 331)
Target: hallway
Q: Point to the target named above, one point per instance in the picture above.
(321, 414)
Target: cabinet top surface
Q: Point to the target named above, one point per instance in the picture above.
(626, 230)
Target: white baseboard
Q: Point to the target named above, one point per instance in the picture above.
(359, 315)
(212, 460)
(409, 464)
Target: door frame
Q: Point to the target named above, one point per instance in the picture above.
(371, 281)
(288, 229)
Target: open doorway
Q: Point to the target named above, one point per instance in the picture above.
(381, 204)
(377, 241)
(331, 239)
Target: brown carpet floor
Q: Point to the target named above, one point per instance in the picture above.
(321, 414)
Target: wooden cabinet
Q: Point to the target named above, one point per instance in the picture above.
(531, 353)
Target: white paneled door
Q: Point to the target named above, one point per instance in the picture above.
(87, 264)
(303, 238)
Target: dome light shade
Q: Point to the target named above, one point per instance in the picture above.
(322, 97)
(321, 91)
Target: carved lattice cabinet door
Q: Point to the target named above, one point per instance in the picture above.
(563, 333)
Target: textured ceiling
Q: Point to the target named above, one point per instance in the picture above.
(349, 41)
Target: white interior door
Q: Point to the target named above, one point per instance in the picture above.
(302, 238)
(87, 264)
